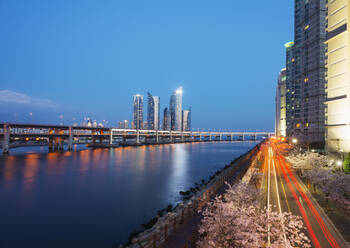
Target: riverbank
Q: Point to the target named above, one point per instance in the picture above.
(169, 230)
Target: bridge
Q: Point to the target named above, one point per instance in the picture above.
(56, 137)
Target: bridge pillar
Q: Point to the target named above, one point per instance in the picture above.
(242, 137)
(51, 144)
(157, 137)
(200, 136)
(70, 139)
(110, 136)
(231, 136)
(137, 137)
(171, 137)
(220, 136)
(61, 144)
(210, 136)
(56, 144)
(182, 137)
(6, 140)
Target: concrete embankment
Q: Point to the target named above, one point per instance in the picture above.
(178, 228)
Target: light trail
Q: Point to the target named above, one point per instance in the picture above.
(302, 211)
(268, 198)
(283, 189)
(278, 200)
(314, 212)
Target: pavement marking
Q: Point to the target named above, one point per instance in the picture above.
(284, 191)
(301, 209)
(278, 200)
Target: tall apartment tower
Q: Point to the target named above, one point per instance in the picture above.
(166, 119)
(138, 111)
(309, 45)
(280, 125)
(186, 119)
(176, 110)
(338, 77)
(153, 108)
(293, 98)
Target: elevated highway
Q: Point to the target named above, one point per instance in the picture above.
(58, 137)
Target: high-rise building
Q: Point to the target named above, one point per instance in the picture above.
(309, 38)
(186, 120)
(166, 119)
(138, 111)
(123, 124)
(305, 70)
(153, 108)
(338, 77)
(293, 97)
(280, 100)
(176, 110)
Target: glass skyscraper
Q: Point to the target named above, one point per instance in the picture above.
(138, 111)
(176, 110)
(186, 120)
(153, 107)
(166, 119)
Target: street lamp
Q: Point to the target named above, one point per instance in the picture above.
(340, 164)
(294, 141)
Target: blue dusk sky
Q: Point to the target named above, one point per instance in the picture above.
(88, 57)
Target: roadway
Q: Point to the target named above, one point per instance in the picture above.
(284, 192)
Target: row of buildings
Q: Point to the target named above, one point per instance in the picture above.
(313, 90)
(174, 117)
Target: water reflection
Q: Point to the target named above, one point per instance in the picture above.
(98, 195)
(179, 163)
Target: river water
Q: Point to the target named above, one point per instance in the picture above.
(96, 197)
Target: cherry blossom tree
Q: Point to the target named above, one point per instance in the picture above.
(334, 184)
(235, 220)
(308, 160)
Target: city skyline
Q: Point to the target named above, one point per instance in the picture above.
(92, 70)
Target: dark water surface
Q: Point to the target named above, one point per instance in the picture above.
(95, 198)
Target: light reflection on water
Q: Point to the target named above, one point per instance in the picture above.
(93, 198)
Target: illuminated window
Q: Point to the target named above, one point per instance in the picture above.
(306, 80)
(293, 59)
(298, 125)
(306, 124)
(306, 27)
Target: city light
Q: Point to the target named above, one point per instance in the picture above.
(179, 90)
(294, 141)
(339, 163)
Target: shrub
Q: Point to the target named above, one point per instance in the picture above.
(150, 223)
(346, 164)
(169, 208)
